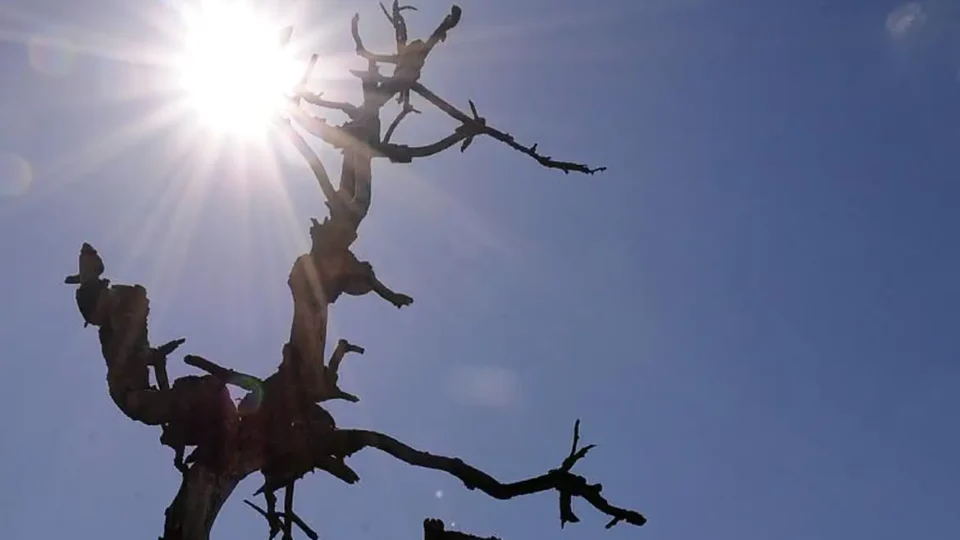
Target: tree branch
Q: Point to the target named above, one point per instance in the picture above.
(362, 51)
(319, 171)
(440, 34)
(337, 205)
(448, 23)
(335, 136)
(343, 347)
(331, 373)
(568, 485)
(274, 521)
(399, 153)
(398, 22)
(349, 109)
(407, 109)
(476, 125)
(228, 376)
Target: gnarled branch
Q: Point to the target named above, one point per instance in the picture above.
(331, 373)
(568, 485)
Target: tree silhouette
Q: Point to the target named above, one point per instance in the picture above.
(279, 428)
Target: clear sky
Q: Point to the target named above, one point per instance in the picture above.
(753, 311)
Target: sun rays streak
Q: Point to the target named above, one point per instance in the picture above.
(166, 231)
(88, 157)
(180, 158)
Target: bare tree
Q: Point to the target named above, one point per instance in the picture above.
(279, 428)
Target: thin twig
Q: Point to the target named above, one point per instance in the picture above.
(273, 519)
(304, 527)
(478, 125)
(407, 109)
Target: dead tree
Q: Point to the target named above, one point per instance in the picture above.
(280, 427)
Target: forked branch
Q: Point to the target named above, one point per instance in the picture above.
(276, 525)
(438, 35)
(567, 484)
(398, 22)
(469, 128)
(406, 110)
(331, 373)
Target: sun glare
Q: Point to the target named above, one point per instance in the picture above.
(233, 68)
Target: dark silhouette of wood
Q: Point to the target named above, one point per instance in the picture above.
(120, 312)
(567, 484)
(285, 436)
(434, 529)
(279, 428)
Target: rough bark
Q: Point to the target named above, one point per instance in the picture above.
(203, 492)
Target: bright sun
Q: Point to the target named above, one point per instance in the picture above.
(233, 66)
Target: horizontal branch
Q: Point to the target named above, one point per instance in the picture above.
(561, 479)
(349, 109)
(225, 375)
(335, 136)
(401, 153)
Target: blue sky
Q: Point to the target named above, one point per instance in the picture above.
(753, 311)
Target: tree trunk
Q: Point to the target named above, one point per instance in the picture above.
(201, 496)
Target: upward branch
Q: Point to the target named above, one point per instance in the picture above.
(409, 60)
(477, 125)
(400, 29)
